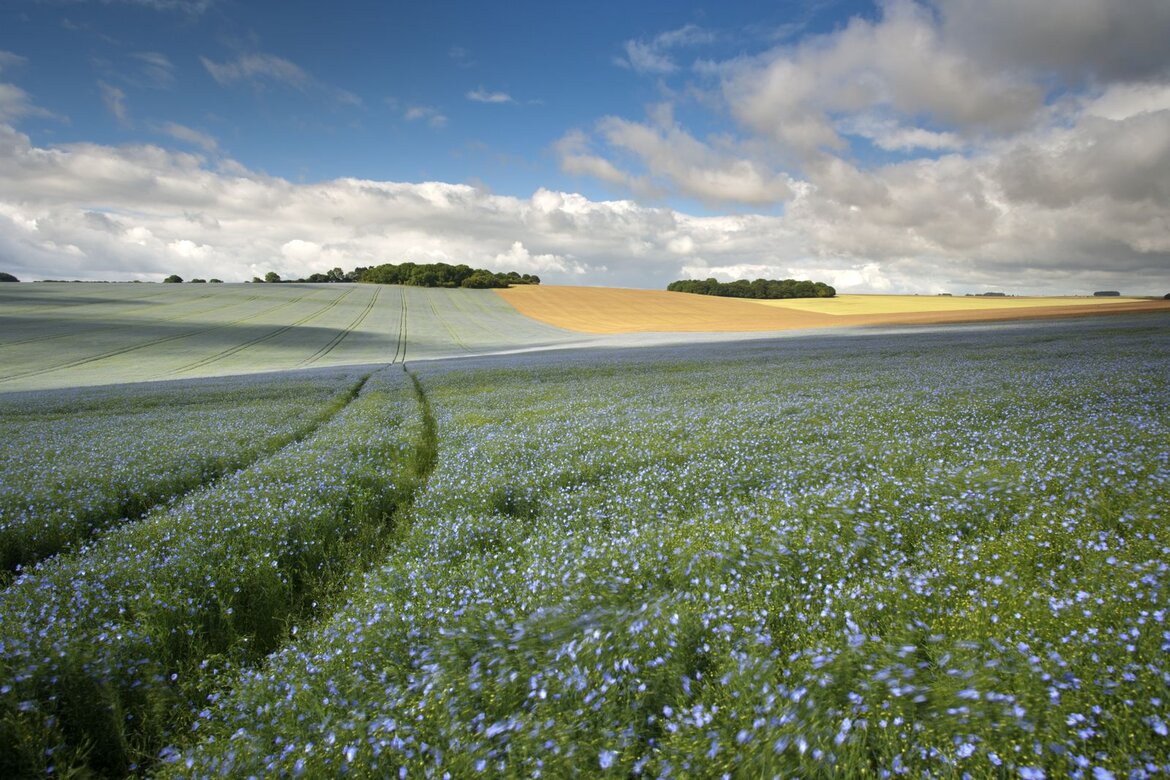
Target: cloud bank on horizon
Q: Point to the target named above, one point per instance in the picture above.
(912, 146)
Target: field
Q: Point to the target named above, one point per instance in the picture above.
(607, 310)
(67, 335)
(930, 552)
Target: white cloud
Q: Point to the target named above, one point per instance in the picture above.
(188, 135)
(518, 258)
(1121, 101)
(888, 134)
(900, 64)
(481, 95)
(193, 7)
(644, 58)
(115, 100)
(957, 223)
(674, 161)
(157, 68)
(258, 70)
(653, 56)
(1096, 40)
(432, 116)
(14, 102)
(10, 59)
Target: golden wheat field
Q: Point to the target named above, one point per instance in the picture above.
(617, 310)
(913, 304)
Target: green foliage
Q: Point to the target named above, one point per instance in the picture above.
(7, 277)
(173, 279)
(272, 277)
(441, 275)
(760, 288)
(215, 281)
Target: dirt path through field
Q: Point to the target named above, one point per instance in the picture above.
(610, 310)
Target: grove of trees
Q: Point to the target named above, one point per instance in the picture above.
(760, 288)
(416, 275)
(440, 275)
(7, 277)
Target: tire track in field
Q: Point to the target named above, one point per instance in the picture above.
(259, 339)
(446, 325)
(400, 347)
(340, 337)
(145, 344)
(145, 504)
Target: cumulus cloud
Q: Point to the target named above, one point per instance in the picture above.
(900, 64)
(942, 144)
(957, 223)
(675, 161)
(518, 258)
(1082, 39)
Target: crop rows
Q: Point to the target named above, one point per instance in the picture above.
(75, 465)
(108, 652)
(71, 335)
(887, 557)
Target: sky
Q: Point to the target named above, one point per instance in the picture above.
(910, 146)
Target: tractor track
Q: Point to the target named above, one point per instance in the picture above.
(259, 339)
(340, 337)
(400, 346)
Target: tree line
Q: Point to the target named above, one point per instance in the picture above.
(416, 275)
(760, 288)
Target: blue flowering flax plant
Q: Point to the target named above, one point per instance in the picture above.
(941, 554)
(109, 652)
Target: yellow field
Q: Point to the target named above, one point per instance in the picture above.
(907, 304)
(612, 310)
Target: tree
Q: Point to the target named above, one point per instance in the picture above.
(173, 279)
(215, 281)
(759, 288)
(272, 277)
(7, 277)
(198, 281)
(480, 280)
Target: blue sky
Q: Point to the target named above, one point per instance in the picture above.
(457, 92)
(902, 146)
